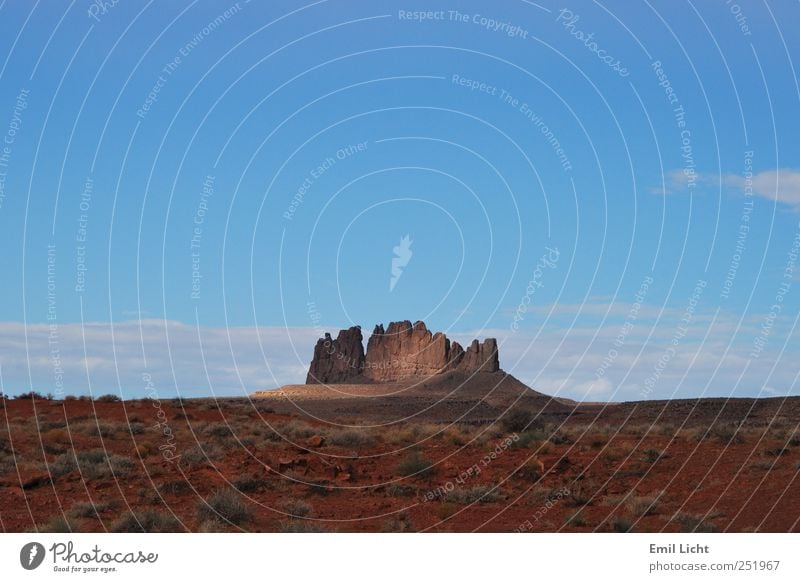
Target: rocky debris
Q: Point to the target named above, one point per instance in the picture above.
(337, 361)
(399, 352)
(315, 441)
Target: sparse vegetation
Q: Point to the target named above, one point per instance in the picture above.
(581, 493)
(350, 438)
(643, 505)
(694, 523)
(456, 436)
(295, 508)
(198, 456)
(397, 490)
(763, 465)
(86, 509)
(577, 519)
(176, 487)
(446, 509)
(559, 437)
(108, 398)
(219, 430)
(518, 420)
(32, 395)
(295, 429)
(225, 504)
(417, 465)
(621, 524)
(651, 455)
(92, 465)
(55, 441)
(147, 522)
(723, 432)
(476, 494)
(59, 524)
(301, 526)
(248, 484)
(396, 524)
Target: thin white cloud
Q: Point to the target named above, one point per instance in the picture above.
(781, 185)
(681, 182)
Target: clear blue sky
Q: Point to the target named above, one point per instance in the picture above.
(486, 136)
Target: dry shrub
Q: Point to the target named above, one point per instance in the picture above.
(349, 437)
(147, 522)
(641, 506)
(225, 504)
(417, 465)
(95, 464)
(199, 456)
(86, 509)
(59, 524)
(476, 494)
(295, 507)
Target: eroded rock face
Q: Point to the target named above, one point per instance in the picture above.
(399, 352)
(338, 361)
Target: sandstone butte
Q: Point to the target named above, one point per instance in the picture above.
(402, 351)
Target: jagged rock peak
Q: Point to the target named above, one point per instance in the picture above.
(398, 352)
(339, 360)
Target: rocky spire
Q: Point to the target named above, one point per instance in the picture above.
(337, 361)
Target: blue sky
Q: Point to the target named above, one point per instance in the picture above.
(242, 172)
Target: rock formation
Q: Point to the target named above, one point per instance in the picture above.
(401, 351)
(339, 360)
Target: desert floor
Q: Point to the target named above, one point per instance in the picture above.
(250, 465)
